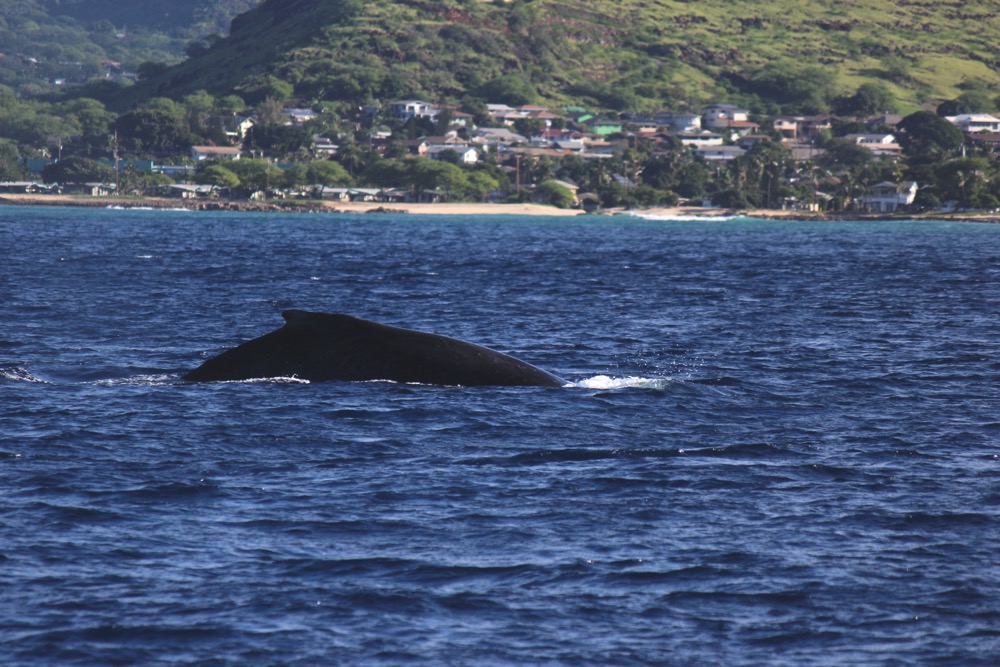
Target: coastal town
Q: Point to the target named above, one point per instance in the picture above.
(413, 152)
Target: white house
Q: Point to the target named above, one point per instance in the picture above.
(720, 116)
(887, 197)
(879, 144)
(404, 110)
(975, 122)
(703, 138)
(681, 122)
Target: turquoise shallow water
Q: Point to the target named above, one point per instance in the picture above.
(779, 445)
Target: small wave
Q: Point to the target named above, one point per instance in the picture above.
(691, 217)
(17, 374)
(119, 207)
(162, 378)
(607, 382)
(272, 380)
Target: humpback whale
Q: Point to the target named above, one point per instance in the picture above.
(332, 346)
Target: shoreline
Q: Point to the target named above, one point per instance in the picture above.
(461, 208)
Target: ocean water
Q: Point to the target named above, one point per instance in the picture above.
(778, 444)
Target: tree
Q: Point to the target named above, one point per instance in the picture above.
(256, 175)
(972, 101)
(150, 70)
(93, 119)
(270, 112)
(78, 170)
(845, 153)
(806, 89)
(11, 166)
(869, 99)
(269, 87)
(967, 181)
(512, 89)
(320, 172)
(481, 184)
(928, 137)
(278, 140)
(678, 170)
(218, 175)
(553, 193)
(152, 130)
(198, 106)
(228, 105)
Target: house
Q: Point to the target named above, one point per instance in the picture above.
(975, 122)
(466, 154)
(605, 127)
(719, 153)
(351, 194)
(751, 140)
(888, 197)
(547, 136)
(416, 147)
(460, 119)
(720, 116)
(497, 136)
(802, 151)
(451, 139)
(879, 144)
(571, 145)
(404, 110)
(185, 191)
(539, 113)
(801, 127)
(703, 138)
(92, 189)
(324, 145)
(199, 153)
(23, 187)
(986, 140)
(680, 122)
(300, 116)
(235, 127)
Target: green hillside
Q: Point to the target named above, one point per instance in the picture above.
(73, 41)
(792, 55)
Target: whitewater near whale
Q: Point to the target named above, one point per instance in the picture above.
(332, 346)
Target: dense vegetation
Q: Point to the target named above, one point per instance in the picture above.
(625, 54)
(46, 43)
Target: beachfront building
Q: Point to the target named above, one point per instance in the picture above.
(888, 197)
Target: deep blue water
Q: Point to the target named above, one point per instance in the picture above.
(780, 445)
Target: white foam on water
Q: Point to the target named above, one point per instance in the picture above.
(708, 217)
(632, 382)
(18, 374)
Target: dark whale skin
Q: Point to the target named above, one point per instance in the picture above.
(322, 347)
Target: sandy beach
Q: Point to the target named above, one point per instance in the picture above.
(459, 208)
(462, 208)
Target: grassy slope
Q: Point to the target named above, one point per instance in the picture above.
(663, 50)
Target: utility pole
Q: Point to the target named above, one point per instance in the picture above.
(114, 156)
